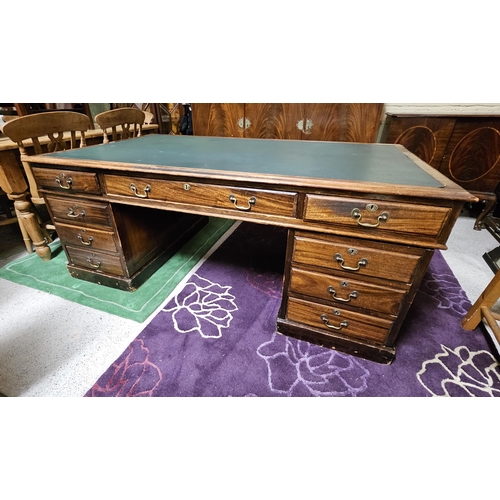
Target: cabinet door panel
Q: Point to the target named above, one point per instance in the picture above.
(220, 120)
(425, 137)
(323, 122)
(273, 121)
(356, 122)
(472, 157)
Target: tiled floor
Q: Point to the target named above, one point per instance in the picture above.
(53, 347)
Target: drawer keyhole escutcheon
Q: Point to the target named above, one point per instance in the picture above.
(338, 257)
(88, 242)
(186, 187)
(356, 214)
(147, 190)
(251, 202)
(333, 293)
(343, 324)
(62, 179)
(71, 212)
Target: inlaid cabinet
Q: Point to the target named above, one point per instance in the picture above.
(466, 149)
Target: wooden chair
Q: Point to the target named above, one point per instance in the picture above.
(481, 309)
(44, 133)
(130, 121)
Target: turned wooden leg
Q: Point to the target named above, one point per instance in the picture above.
(13, 183)
(30, 224)
(26, 236)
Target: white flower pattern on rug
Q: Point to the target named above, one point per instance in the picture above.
(204, 307)
(323, 372)
(460, 372)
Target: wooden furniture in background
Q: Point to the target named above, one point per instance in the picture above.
(362, 230)
(123, 122)
(482, 308)
(464, 148)
(315, 122)
(26, 131)
(25, 109)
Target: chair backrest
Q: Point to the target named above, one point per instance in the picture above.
(129, 119)
(51, 126)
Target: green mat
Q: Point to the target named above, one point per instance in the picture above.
(53, 277)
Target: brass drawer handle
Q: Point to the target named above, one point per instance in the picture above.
(340, 260)
(252, 201)
(88, 243)
(69, 182)
(96, 266)
(352, 295)
(71, 213)
(343, 324)
(356, 214)
(147, 190)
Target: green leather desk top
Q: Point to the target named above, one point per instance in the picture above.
(313, 159)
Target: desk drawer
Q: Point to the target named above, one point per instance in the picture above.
(67, 181)
(356, 257)
(338, 321)
(341, 291)
(376, 215)
(95, 261)
(86, 237)
(248, 200)
(79, 211)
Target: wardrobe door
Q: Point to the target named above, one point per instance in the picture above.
(222, 120)
(472, 157)
(362, 121)
(355, 122)
(322, 122)
(273, 121)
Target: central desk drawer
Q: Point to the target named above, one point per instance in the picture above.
(279, 203)
(341, 291)
(86, 237)
(79, 211)
(95, 261)
(376, 215)
(67, 181)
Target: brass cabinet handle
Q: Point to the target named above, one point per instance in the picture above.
(343, 324)
(71, 213)
(332, 292)
(89, 260)
(88, 243)
(69, 182)
(338, 257)
(356, 214)
(251, 201)
(147, 190)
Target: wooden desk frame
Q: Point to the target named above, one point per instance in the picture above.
(328, 246)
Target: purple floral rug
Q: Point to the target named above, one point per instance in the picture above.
(217, 337)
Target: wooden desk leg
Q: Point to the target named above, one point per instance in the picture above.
(490, 295)
(13, 183)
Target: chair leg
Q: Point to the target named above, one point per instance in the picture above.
(490, 200)
(490, 295)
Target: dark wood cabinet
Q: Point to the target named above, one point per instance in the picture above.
(464, 148)
(354, 122)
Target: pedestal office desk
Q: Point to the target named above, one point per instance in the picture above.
(363, 221)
